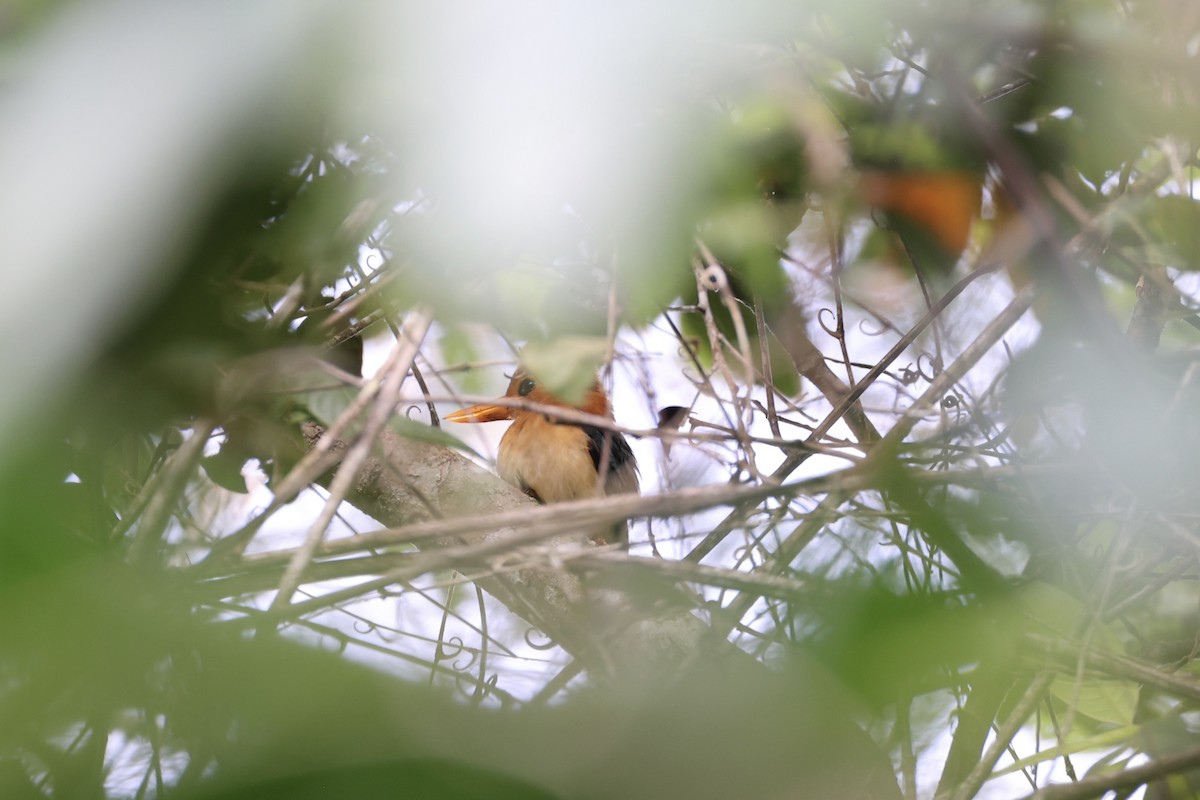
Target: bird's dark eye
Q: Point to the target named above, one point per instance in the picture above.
(526, 387)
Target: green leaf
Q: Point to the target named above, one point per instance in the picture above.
(126, 466)
(420, 432)
(1112, 702)
(457, 346)
(327, 404)
(1056, 613)
(1174, 221)
(225, 470)
(891, 143)
(566, 366)
(1111, 738)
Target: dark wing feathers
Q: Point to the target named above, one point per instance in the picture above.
(619, 454)
(621, 477)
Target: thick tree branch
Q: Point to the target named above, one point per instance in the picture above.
(613, 632)
(413, 481)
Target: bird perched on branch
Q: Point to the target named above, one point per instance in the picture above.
(555, 460)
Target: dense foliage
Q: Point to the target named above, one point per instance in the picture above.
(898, 303)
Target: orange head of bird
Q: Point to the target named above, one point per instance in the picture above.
(555, 461)
(524, 386)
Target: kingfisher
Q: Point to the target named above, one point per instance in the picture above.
(553, 460)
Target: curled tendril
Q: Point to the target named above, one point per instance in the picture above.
(481, 689)
(935, 366)
(698, 380)
(373, 260)
(387, 635)
(459, 665)
(747, 552)
(908, 375)
(472, 658)
(832, 331)
(364, 627)
(957, 405)
(530, 636)
(413, 411)
(864, 326)
(443, 653)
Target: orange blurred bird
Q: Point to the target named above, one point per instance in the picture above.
(552, 460)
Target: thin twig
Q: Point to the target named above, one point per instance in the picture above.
(165, 490)
(388, 393)
(1004, 734)
(1128, 778)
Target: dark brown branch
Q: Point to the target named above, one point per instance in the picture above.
(1131, 778)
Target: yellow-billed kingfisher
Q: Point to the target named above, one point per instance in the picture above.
(555, 460)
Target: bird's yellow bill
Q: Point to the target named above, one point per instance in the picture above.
(480, 413)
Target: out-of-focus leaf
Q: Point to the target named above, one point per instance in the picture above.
(886, 646)
(1104, 701)
(784, 376)
(586, 110)
(95, 247)
(225, 469)
(127, 465)
(1173, 222)
(1052, 611)
(898, 143)
(327, 402)
(417, 431)
(941, 205)
(654, 267)
(746, 239)
(457, 346)
(763, 156)
(324, 224)
(426, 779)
(566, 366)
(1108, 738)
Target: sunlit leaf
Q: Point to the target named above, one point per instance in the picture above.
(1104, 701)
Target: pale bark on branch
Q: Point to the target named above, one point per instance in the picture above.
(411, 481)
(617, 634)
